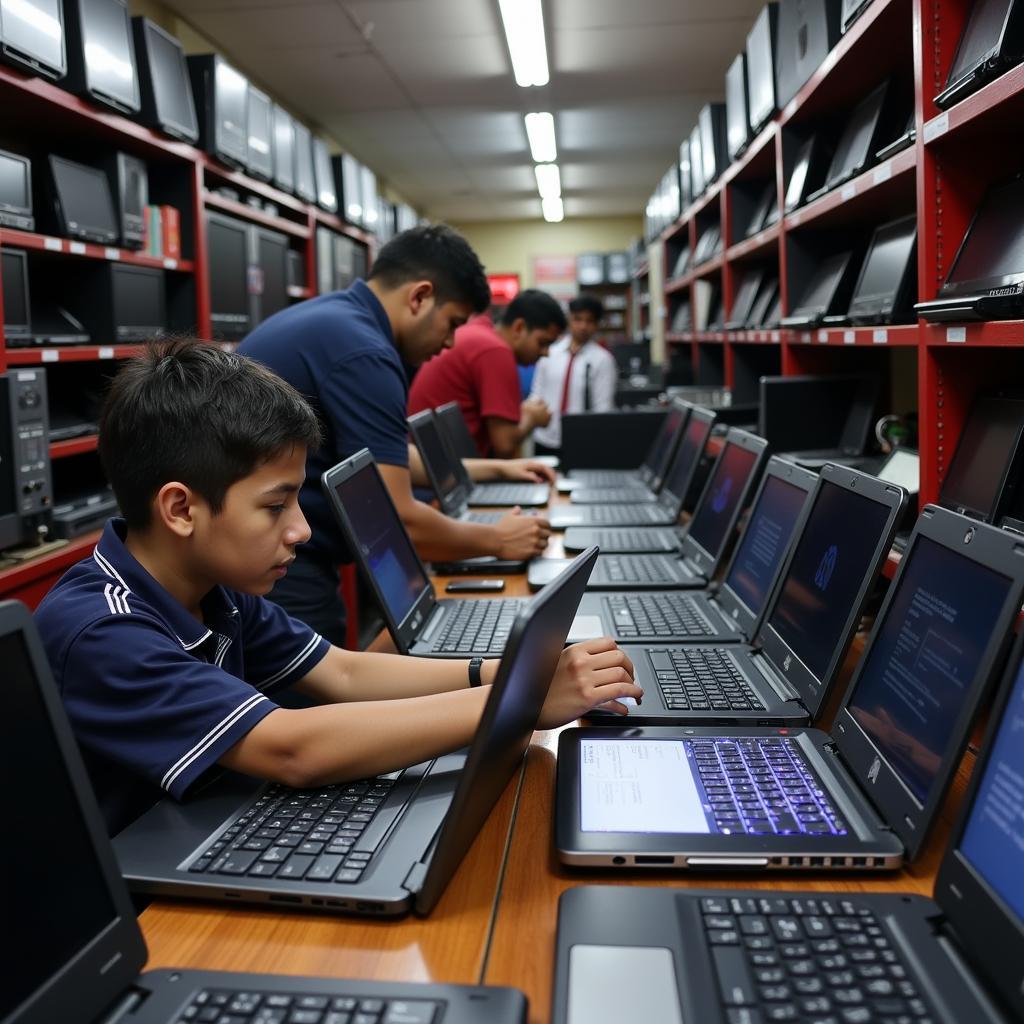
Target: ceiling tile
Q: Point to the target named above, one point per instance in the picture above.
(419, 20)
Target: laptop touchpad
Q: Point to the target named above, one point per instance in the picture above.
(611, 984)
(585, 627)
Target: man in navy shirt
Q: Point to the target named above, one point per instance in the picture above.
(347, 353)
(168, 657)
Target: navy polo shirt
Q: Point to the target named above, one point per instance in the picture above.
(155, 697)
(338, 350)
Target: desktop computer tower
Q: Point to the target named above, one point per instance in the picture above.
(130, 184)
(26, 484)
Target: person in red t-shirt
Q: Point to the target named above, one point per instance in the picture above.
(479, 372)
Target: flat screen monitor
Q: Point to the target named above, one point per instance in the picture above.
(223, 94)
(746, 294)
(858, 143)
(84, 203)
(982, 476)
(260, 160)
(305, 179)
(368, 193)
(284, 149)
(816, 412)
(889, 264)
(167, 101)
(590, 268)
(696, 163)
(711, 121)
(761, 210)
(346, 261)
(15, 190)
(981, 38)
(819, 295)
(992, 253)
(139, 306)
(808, 29)
(324, 260)
(737, 124)
(801, 178)
(761, 67)
(14, 277)
(271, 257)
(101, 52)
(326, 190)
(348, 176)
(765, 297)
(32, 36)
(686, 192)
(227, 247)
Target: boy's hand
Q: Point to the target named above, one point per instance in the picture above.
(525, 469)
(591, 673)
(521, 536)
(535, 412)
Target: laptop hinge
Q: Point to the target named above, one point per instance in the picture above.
(780, 685)
(414, 880)
(131, 1001)
(432, 623)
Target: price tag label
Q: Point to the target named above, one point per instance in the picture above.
(935, 127)
(111, 254)
(823, 336)
(51, 356)
(880, 337)
(849, 191)
(776, 336)
(76, 248)
(883, 173)
(805, 337)
(794, 219)
(107, 352)
(849, 338)
(790, 109)
(956, 335)
(53, 245)
(170, 264)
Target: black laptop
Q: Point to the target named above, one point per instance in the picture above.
(746, 294)
(992, 42)
(824, 292)
(738, 955)
(379, 846)
(807, 172)
(77, 947)
(453, 423)
(864, 796)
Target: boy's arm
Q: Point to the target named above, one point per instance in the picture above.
(509, 469)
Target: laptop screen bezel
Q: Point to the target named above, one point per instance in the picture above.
(831, 269)
(452, 501)
(883, 303)
(663, 448)
(667, 499)
(446, 417)
(995, 550)
(403, 633)
(785, 662)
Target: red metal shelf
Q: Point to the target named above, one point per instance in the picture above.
(74, 446)
(47, 565)
(991, 333)
(69, 354)
(759, 159)
(710, 337)
(773, 337)
(217, 170)
(69, 247)
(709, 267)
(678, 284)
(699, 205)
(288, 227)
(998, 104)
(902, 335)
(677, 227)
(755, 245)
(641, 272)
(679, 337)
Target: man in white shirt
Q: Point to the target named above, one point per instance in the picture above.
(577, 374)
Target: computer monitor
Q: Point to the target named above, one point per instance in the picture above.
(823, 293)
(737, 122)
(806, 173)
(167, 102)
(991, 37)
(817, 412)
(761, 90)
(888, 279)
(130, 181)
(16, 191)
(349, 261)
(743, 301)
(685, 178)
(227, 248)
(83, 204)
(305, 178)
(14, 277)
(368, 193)
(851, 12)
(696, 163)
(269, 255)
(760, 212)
(589, 269)
(985, 470)
(347, 175)
(138, 302)
(283, 148)
(260, 159)
(326, 190)
(808, 29)
(711, 121)
(767, 295)
(222, 95)
(32, 36)
(860, 139)
(101, 53)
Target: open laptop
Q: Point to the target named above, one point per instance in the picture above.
(863, 796)
(453, 423)
(79, 949)
(784, 671)
(826, 289)
(746, 295)
(28, 323)
(381, 846)
(418, 622)
(665, 511)
(703, 545)
(992, 42)
(737, 955)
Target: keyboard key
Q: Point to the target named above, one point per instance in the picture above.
(734, 981)
(410, 1012)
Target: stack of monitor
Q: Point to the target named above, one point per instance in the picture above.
(32, 36)
(223, 100)
(16, 192)
(101, 54)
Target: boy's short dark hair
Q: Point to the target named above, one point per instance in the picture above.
(587, 304)
(186, 410)
(537, 308)
(439, 254)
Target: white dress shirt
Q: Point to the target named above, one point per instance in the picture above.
(594, 374)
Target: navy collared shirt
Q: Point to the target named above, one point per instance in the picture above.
(339, 351)
(155, 697)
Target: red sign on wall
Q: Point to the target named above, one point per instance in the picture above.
(504, 288)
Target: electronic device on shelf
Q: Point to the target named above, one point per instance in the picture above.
(32, 36)
(26, 484)
(682, 263)
(296, 270)
(283, 149)
(83, 513)
(902, 141)
(222, 98)
(130, 182)
(16, 191)
(902, 466)
(17, 309)
(737, 121)
(885, 290)
(82, 202)
(986, 280)
(120, 303)
(589, 269)
(326, 190)
(347, 178)
(685, 178)
(807, 173)
(696, 163)
(766, 296)
(852, 10)
(167, 102)
(746, 294)
(227, 253)
(260, 135)
(682, 318)
(992, 42)
(707, 244)
(759, 216)
(827, 291)
(807, 31)
(368, 192)
(761, 77)
(101, 53)
(711, 121)
(269, 257)
(305, 177)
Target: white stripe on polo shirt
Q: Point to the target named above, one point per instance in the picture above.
(294, 663)
(117, 601)
(105, 565)
(211, 737)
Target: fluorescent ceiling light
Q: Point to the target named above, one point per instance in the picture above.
(523, 21)
(549, 184)
(540, 130)
(552, 209)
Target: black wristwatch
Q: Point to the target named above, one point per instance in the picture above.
(475, 664)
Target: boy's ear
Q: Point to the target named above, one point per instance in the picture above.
(418, 294)
(173, 507)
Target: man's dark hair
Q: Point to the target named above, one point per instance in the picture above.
(587, 304)
(537, 308)
(439, 254)
(186, 410)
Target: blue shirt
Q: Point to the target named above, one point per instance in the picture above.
(338, 350)
(155, 697)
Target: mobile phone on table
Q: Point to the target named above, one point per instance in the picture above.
(471, 586)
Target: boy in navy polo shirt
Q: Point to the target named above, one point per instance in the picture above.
(168, 656)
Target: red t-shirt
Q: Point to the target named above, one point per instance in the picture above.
(479, 372)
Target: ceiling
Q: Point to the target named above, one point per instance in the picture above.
(422, 90)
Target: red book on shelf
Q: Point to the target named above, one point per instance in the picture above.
(170, 222)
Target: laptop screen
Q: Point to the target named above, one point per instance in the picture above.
(886, 263)
(994, 247)
(434, 454)
(661, 451)
(822, 286)
(718, 503)
(764, 542)
(852, 151)
(689, 451)
(831, 559)
(902, 468)
(912, 685)
(382, 541)
(980, 36)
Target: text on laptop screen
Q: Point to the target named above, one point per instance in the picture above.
(689, 451)
(764, 542)
(60, 900)
(993, 839)
(436, 455)
(912, 685)
(382, 541)
(831, 559)
(994, 246)
(729, 478)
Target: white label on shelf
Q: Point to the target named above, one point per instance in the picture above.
(935, 127)
(776, 336)
(794, 218)
(805, 337)
(53, 244)
(111, 254)
(849, 191)
(823, 336)
(880, 337)
(107, 352)
(849, 338)
(170, 264)
(956, 335)
(790, 109)
(26, 375)
(76, 248)
(883, 173)
(51, 356)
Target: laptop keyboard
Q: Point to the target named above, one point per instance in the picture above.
(809, 959)
(470, 627)
(763, 786)
(702, 679)
(504, 493)
(322, 835)
(230, 1006)
(481, 517)
(623, 515)
(634, 540)
(636, 569)
(671, 616)
(635, 492)
(607, 477)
